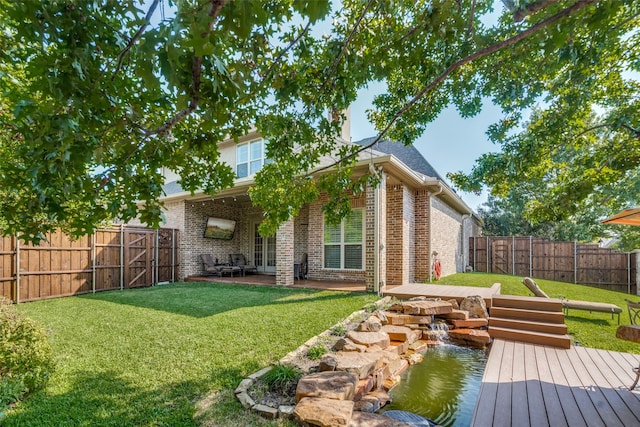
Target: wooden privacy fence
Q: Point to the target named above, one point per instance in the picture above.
(570, 262)
(116, 258)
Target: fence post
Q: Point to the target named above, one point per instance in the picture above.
(121, 256)
(575, 262)
(156, 270)
(17, 269)
(530, 256)
(628, 272)
(173, 255)
(487, 245)
(93, 261)
(475, 264)
(513, 255)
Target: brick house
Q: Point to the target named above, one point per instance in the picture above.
(389, 238)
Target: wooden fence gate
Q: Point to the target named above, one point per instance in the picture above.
(570, 262)
(115, 258)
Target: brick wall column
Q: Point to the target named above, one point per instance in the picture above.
(370, 239)
(285, 254)
(382, 231)
(422, 239)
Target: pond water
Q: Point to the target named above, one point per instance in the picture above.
(443, 387)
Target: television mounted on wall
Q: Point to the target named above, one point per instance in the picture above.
(220, 228)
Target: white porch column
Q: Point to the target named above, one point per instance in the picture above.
(285, 254)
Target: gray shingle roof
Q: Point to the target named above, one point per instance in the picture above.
(407, 154)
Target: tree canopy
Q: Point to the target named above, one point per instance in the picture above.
(97, 96)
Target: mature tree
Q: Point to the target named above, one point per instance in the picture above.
(95, 98)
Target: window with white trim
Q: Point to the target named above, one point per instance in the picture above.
(250, 157)
(343, 243)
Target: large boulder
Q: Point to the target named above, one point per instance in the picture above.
(369, 338)
(322, 412)
(360, 364)
(338, 385)
(476, 307)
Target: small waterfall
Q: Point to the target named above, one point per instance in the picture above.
(438, 334)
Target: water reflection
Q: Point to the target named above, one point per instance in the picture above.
(444, 387)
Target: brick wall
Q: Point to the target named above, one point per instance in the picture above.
(446, 236)
(422, 249)
(284, 254)
(400, 237)
(301, 233)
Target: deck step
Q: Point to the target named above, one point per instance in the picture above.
(530, 315)
(540, 338)
(524, 325)
(528, 303)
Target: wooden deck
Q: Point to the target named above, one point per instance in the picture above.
(531, 385)
(443, 291)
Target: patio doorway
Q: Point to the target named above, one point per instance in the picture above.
(264, 251)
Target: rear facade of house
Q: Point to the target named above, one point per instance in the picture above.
(392, 237)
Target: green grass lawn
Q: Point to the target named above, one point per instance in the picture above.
(169, 355)
(589, 329)
(172, 355)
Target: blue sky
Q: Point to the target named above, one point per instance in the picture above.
(450, 143)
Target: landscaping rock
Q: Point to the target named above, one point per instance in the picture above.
(380, 395)
(470, 323)
(360, 364)
(366, 405)
(398, 347)
(365, 419)
(426, 307)
(454, 303)
(246, 400)
(372, 324)
(266, 411)
(476, 337)
(337, 385)
(401, 333)
(285, 411)
(327, 363)
(455, 314)
(369, 338)
(324, 412)
(345, 344)
(476, 307)
(364, 386)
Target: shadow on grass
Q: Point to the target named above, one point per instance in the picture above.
(107, 399)
(207, 299)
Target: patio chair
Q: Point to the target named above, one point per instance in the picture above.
(567, 304)
(240, 261)
(211, 267)
(634, 312)
(300, 268)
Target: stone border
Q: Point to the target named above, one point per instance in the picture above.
(285, 411)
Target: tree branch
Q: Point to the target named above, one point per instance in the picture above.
(474, 56)
(635, 133)
(285, 50)
(196, 76)
(135, 37)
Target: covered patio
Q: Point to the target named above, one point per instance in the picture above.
(270, 280)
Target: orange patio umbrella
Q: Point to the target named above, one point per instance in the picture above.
(626, 217)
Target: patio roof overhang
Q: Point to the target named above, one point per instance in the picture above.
(395, 167)
(626, 217)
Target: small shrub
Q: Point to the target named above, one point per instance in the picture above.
(338, 330)
(26, 359)
(280, 375)
(316, 351)
(370, 308)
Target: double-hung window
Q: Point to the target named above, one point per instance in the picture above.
(343, 243)
(250, 157)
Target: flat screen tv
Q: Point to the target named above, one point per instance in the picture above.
(219, 228)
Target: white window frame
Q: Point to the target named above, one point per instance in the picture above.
(262, 159)
(342, 243)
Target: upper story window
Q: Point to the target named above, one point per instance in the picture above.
(343, 243)
(250, 157)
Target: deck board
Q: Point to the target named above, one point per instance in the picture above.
(532, 385)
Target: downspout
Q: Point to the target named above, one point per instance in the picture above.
(376, 242)
(463, 240)
(440, 190)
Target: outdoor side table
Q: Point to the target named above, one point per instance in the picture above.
(630, 333)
